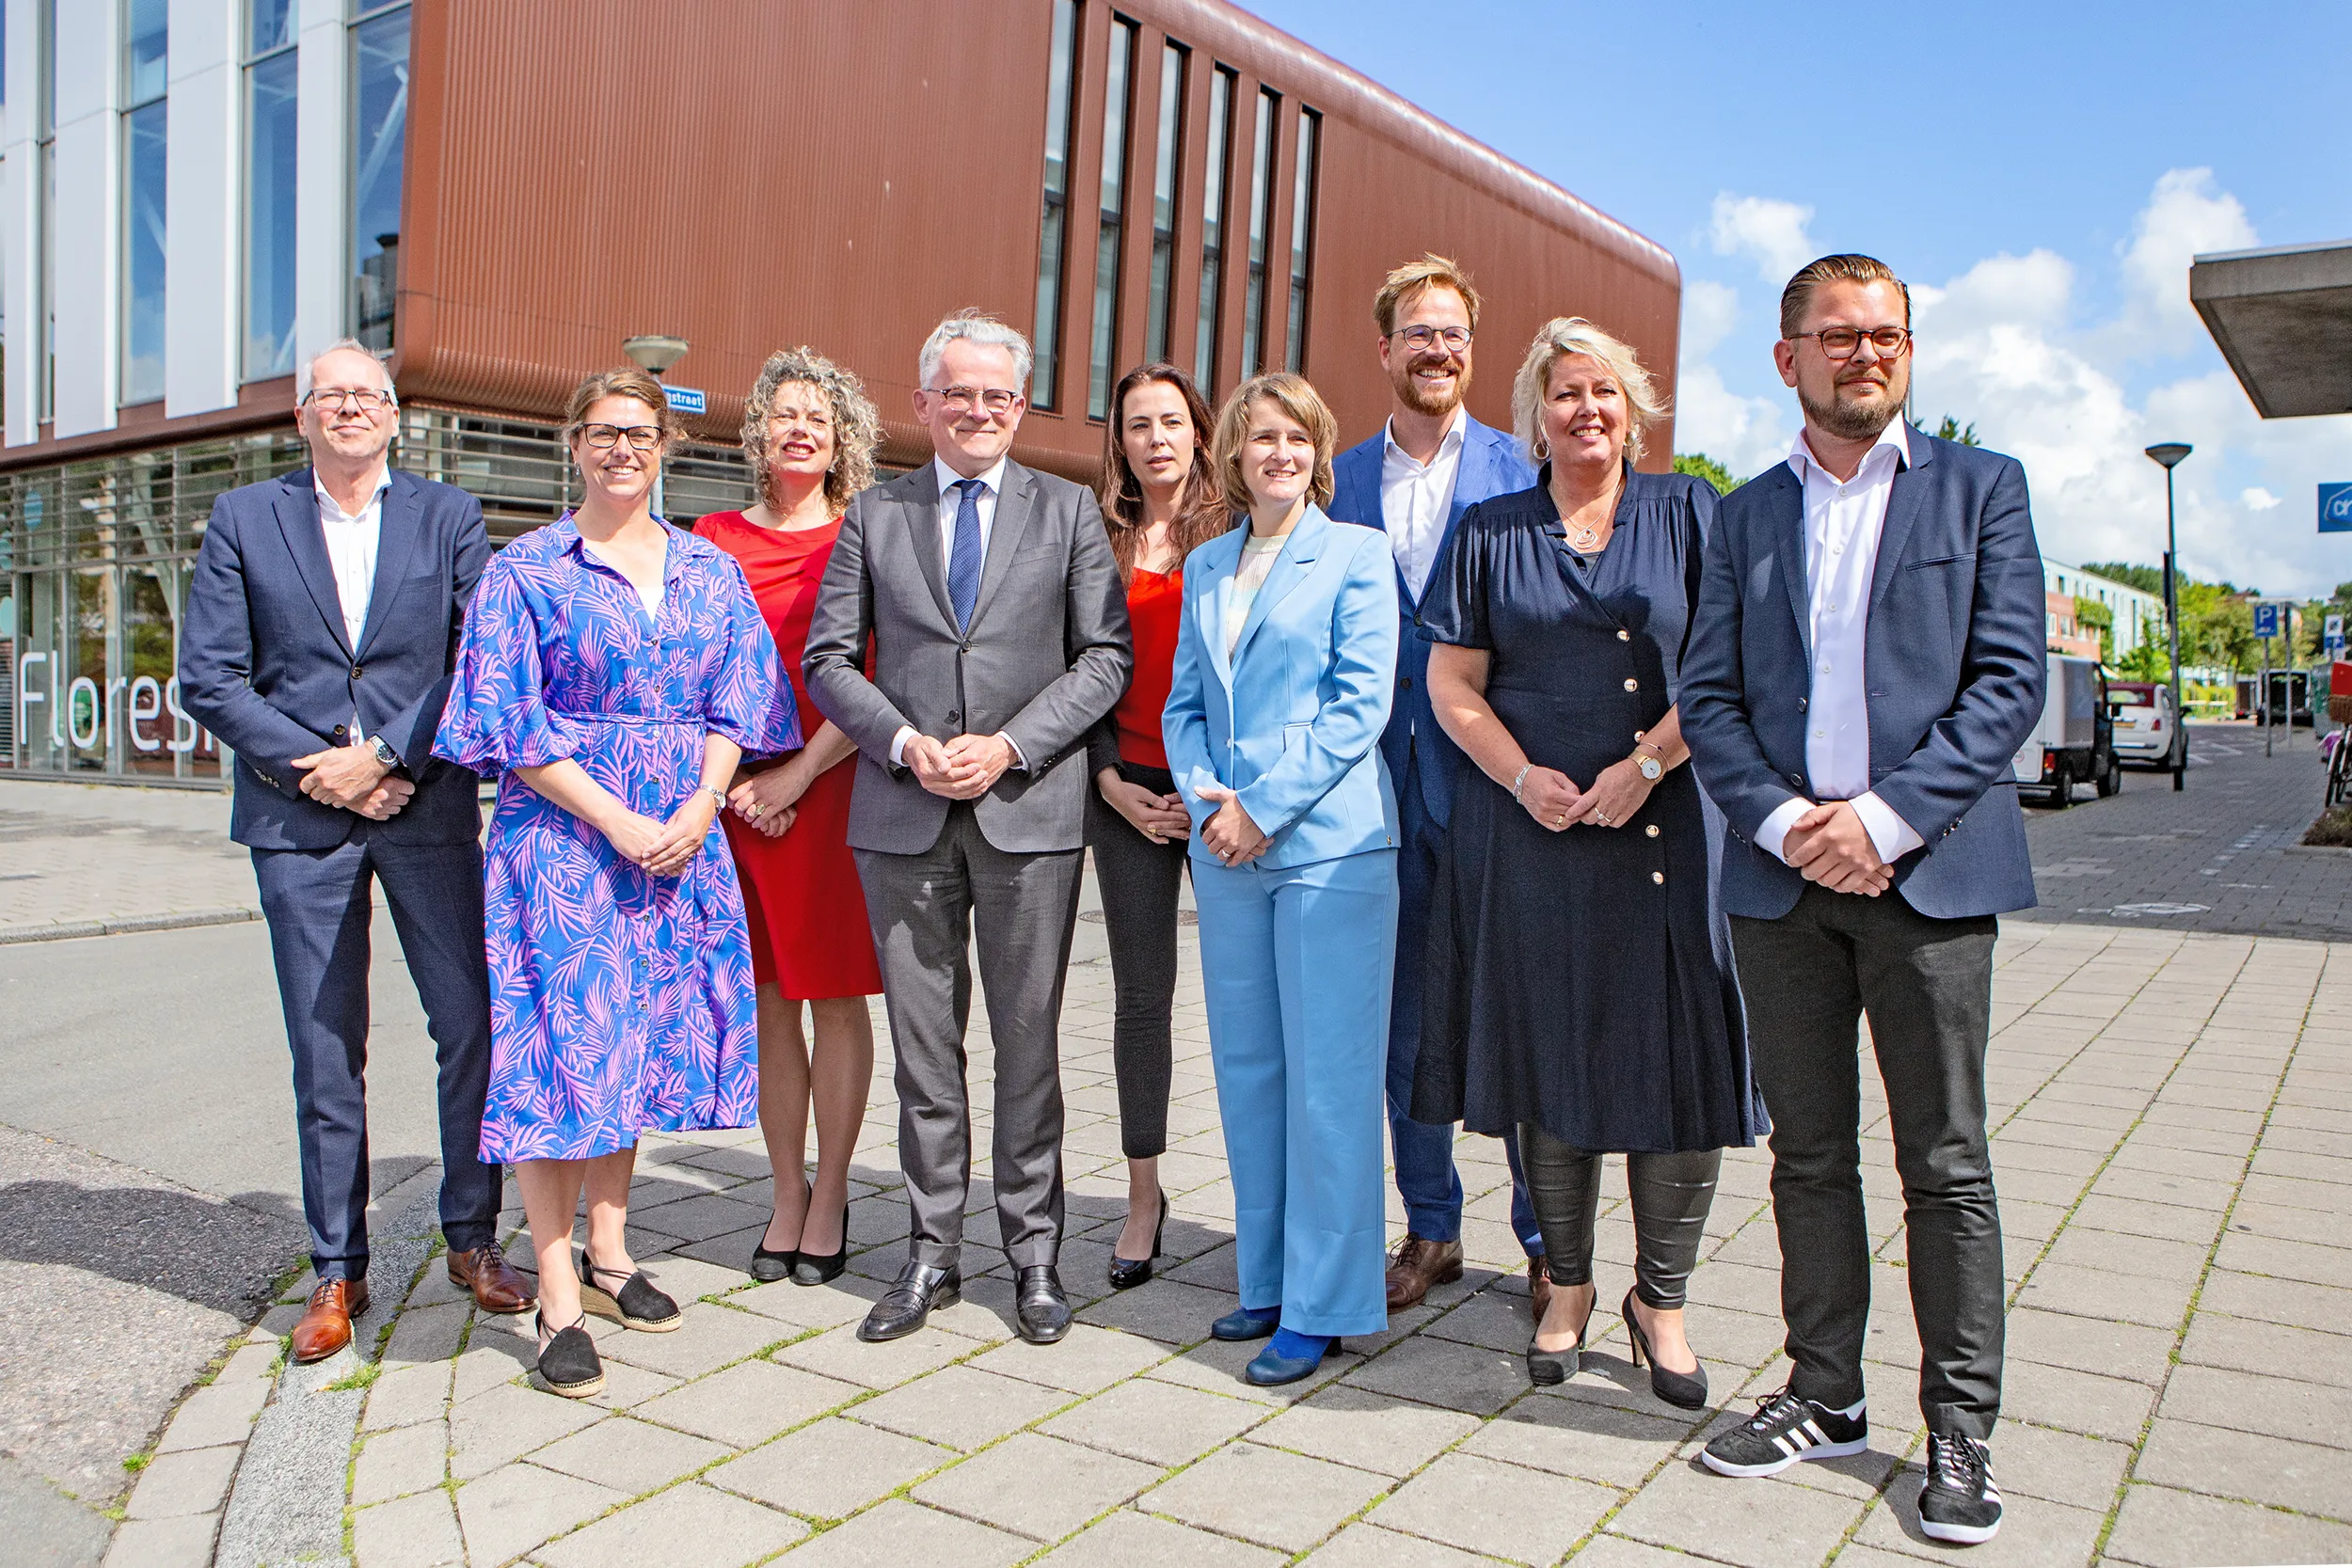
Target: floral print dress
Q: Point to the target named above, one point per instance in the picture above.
(620, 1001)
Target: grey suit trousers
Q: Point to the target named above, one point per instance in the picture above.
(922, 908)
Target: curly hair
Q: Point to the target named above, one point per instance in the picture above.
(856, 428)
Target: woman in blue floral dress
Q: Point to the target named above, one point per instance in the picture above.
(612, 672)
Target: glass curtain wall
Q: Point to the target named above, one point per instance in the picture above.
(1103, 355)
(1161, 300)
(1302, 235)
(270, 60)
(1216, 177)
(45, 126)
(379, 97)
(1053, 225)
(1262, 178)
(146, 30)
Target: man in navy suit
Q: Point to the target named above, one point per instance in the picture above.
(1866, 660)
(1430, 464)
(320, 626)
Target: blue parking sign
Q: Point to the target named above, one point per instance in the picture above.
(2266, 620)
(2335, 509)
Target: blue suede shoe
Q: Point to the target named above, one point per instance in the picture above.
(1246, 1322)
(1290, 1357)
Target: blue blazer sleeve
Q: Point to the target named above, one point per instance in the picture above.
(216, 665)
(1713, 699)
(412, 731)
(1184, 720)
(2003, 668)
(1361, 662)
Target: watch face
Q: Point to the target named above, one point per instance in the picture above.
(1651, 768)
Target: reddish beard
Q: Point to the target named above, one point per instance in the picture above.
(1408, 392)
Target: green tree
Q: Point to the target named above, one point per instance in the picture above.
(1699, 466)
(2147, 662)
(1950, 430)
(2148, 579)
(2091, 612)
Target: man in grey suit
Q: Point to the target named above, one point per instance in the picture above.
(999, 634)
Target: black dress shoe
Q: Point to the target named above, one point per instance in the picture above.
(816, 1268)
(1039, 1306)
(907, 1306)
(1128, 1273)
(769, 1265)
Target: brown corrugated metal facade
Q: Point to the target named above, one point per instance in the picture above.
(748, 175)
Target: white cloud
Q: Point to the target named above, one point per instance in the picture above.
(1709, 310)
(2255, 498)
(2185, 218)
(1771, 232)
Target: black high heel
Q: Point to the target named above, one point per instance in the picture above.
(1547, 1368)
(1683, 1390)
(769, 1265)
(1128, 1273)
(816, 1268)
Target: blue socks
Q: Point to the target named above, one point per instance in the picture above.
(1291, 1345)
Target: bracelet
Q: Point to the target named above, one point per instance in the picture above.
(1525, 768)
(717, 794)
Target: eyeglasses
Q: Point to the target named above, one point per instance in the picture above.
(1840, 342)
(1421, 339)
(960, 399)
(368, 399)
(604, 437)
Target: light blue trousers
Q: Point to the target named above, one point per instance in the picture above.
(1295, 965)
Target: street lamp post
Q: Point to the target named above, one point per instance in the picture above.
(656, 353)
(2169, 453)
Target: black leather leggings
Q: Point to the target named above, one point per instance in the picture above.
(1671, 1197)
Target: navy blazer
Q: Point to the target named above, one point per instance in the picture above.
(1492, 464)
(265, 666)
(1953, 665)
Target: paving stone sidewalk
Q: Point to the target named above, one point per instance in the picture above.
(2174, 1153)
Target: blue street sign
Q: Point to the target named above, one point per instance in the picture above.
(2335, 509)
(690, 399)
(2266, 620)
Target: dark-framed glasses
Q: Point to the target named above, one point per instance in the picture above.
(1840, 342)
(604, 437)
(368, 399)
(1421, 340)
(995, 400)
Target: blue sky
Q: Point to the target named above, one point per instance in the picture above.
(2041, 173)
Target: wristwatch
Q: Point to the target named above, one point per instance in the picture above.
(384, 753)
(1650, 766)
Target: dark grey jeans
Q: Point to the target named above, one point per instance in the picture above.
(1139, 881)
(1926, 987)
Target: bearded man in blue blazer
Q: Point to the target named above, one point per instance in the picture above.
(1866, 660)
(1430, 464)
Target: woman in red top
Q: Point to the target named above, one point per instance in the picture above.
(809, 433)
(1158, 504)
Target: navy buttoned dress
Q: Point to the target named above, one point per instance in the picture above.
(1582, 980)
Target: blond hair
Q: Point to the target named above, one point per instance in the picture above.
(1295, 397)
(1555, 341)
(856, 427)
(627, 382)
(1848, 267)
(1408, 282)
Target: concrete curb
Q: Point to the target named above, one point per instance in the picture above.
(293, 1483)
(66, 930)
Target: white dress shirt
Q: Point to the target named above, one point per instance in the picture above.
(1842, 521)
(352, 541)
(951, 503)
(1416, 498)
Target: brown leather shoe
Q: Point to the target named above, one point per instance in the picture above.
(1538, 1286)
(326, 1325)
(495, 1285)
(1418, 1263)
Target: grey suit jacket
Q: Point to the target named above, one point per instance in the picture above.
(1047, 655)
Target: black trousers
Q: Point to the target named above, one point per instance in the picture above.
(1671, 1196)
(1139, 881)
(1926, 987)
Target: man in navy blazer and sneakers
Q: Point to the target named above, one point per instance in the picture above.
(1867, 658)
(1430, 464)
(322, 623)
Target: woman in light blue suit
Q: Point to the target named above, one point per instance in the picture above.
(1284, 664)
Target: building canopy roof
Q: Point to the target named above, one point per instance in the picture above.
(2282, 318)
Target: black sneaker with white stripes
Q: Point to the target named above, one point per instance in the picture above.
(1960, 1502)
(1784, 1429)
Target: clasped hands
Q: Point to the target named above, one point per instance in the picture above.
(1830, 844)
(1157, 817)
(770, 801)
(664, 848)
(352, 778)
(1230, 834)
(1552, 799)
(964, 769)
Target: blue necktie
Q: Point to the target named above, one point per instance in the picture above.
(963, 560)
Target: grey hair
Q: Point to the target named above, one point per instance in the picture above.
(306, 374)
(1555, 341)
(856, 428)
(976, 326)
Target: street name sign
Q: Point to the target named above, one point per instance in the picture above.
(691, 400)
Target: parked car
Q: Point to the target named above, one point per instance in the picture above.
(2147, 734)
(2073, 743)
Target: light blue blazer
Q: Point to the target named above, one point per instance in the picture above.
(1291, 721)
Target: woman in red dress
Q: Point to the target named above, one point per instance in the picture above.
(809, 433)
(1158, 503)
